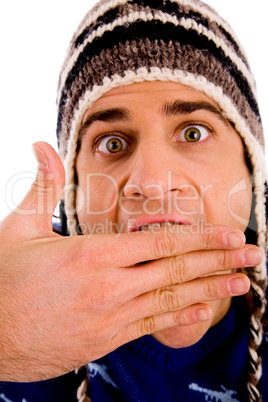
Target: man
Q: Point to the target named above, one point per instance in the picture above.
(161, 138)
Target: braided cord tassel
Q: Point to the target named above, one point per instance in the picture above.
(83, 387)
(255, 341)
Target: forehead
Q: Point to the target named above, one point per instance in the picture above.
(155, 93)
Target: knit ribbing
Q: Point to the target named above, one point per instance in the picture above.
(132, 55)
(167, 30)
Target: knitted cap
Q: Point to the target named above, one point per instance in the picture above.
(121, 42)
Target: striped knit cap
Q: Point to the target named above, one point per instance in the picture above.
(121, 42)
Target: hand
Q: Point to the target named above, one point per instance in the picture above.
(66, 301)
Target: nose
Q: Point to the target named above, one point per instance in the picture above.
(155, 171)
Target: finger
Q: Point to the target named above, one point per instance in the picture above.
(129, 249)
(34, 214)
(149, 325)
(186, 267)
(177, 297)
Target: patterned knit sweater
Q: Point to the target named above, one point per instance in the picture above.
(215, 369)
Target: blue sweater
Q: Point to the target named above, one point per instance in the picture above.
(215, 369)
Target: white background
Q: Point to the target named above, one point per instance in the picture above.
(34, 36)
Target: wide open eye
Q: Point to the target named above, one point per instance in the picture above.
(193, 133)
(112, 144)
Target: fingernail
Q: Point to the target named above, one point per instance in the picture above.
(251, 257)
(238, 286)
(202, 314)
(234, 240)
(40, 157)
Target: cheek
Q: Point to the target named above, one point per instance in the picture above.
(239, 203)
(96, 200)
(228, 201)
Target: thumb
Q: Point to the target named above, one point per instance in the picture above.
(33, 216)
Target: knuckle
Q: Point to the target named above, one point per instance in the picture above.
(165, 245)
(184, 316)
(99, 303)
(167, 299)
(86, 257)
(211, 291)
(178, 271)
(223, 260)
(40, 182)
(146, 326)
(38, 187)
(208, 240)
(179, 318)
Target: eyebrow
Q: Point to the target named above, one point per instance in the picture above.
(108, 115)
(182, 107)
(168, 109)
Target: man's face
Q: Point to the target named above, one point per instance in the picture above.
(160, 153)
